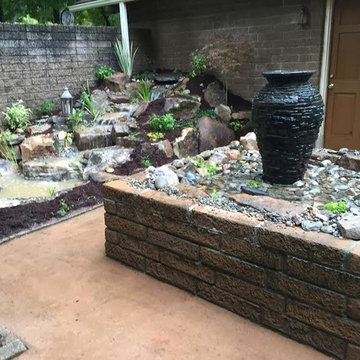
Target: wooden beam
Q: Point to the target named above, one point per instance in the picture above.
(94, 4)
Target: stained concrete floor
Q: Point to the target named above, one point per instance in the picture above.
(66, 300)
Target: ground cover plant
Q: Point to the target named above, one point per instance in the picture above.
(163, 123)
(17, 116)
(103, 71)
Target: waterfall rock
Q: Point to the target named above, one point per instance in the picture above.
(37, 147)
(187, 144)
(93, 137)
(117, 82)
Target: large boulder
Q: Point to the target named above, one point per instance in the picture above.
(213, 134)
(93, 137)
(117, 82)
(53, 169)
(36, 147)
(187, 144)
(214, 94)
(162, 148)
(100, 101)
(183, 108)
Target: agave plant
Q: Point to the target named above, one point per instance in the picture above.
(125, 57)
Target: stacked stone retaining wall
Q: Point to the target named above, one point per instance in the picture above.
(304, 285)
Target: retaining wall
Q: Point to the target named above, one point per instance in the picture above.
(305, 285)
(38, 61)
(270, 26)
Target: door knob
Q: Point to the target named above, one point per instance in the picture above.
(331, 86)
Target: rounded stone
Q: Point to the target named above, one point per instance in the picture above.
(161, 182)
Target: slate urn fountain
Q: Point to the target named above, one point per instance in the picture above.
(287, 114)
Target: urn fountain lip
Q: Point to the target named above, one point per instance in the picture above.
(285, 77)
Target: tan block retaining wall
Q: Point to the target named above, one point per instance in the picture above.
(305, 285)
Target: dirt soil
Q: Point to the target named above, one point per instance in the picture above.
(23, 217)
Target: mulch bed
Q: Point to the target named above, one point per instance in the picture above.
(24, 217)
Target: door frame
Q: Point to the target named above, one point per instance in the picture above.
(325, 64)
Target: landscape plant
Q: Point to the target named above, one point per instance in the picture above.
(87, 101)
(336, 207)
(143, 91)
(76, 119)
(125, 57)
(103, 71)
(45, 108)
(146, 162)
(253, 184)
(236, 125)
(64, 208)
(7, 151)
(211, 169)
(199, 63)
(17, 116)
(163, 123)
(155, 136)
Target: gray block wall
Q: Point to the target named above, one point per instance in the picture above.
(38, 61)
(270, 26)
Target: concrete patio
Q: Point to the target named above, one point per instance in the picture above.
(66, 300)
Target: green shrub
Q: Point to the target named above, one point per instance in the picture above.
(103, 71)
(125, 57)
(17, 116)
(64, 208)
(87, 101)
(336, 207)
(163, 123)
(199, 64)
(236, 125)
(45, 108)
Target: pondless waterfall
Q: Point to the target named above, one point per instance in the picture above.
(287, 114)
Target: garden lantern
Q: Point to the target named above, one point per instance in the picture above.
(66, 102)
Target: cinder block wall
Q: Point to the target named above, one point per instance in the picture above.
(271, 26)
(38, 61)
(304, 285)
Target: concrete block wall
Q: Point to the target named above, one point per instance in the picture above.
(38, 61)
(304, 285)
(270, 26)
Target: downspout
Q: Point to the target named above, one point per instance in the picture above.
(124, 25)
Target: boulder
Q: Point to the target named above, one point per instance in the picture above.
(100, 101)
(350, 161)
(93, 137)
(37, 129)
(112, 118)
(117, 82)
(187, 144)
(119, 130)
(349, 226)
(102, 177)
(180, 87)
(183, 108)
(128, 142)
(35, 147)
(214, 94)
(162, 148)
(53, 169)
(118, 99)
(249, 142)
(6, 168)
(131, 87)
(141, 109)
(241, 115)
(224, 113)
(213, 134)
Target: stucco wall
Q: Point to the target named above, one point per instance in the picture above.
(270, 26)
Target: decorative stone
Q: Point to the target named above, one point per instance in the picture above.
(213, 134)
(241, 115)
(117, 82)
(162, 147)
(112, 118)
(168, 173)
(249, 142)
(183, 108)
(187, 144)
(37, 147)
(233, 155)
(214, 94)
(224, 113)
(160, 182)
(94, 137)
(141, 109)
(349, 226)
(37, 129)
(118, 99)
(119, 130)
(308, 225)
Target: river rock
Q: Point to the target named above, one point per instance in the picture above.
(223, 112)
(309, 225)
(168, 173)
(53, 169)
(349, 226)
(117, 82)
(213, 134)
(214, 94)
(249, 142)
(37, 147)
(93, 137)
(187, 144)
(183, 108)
